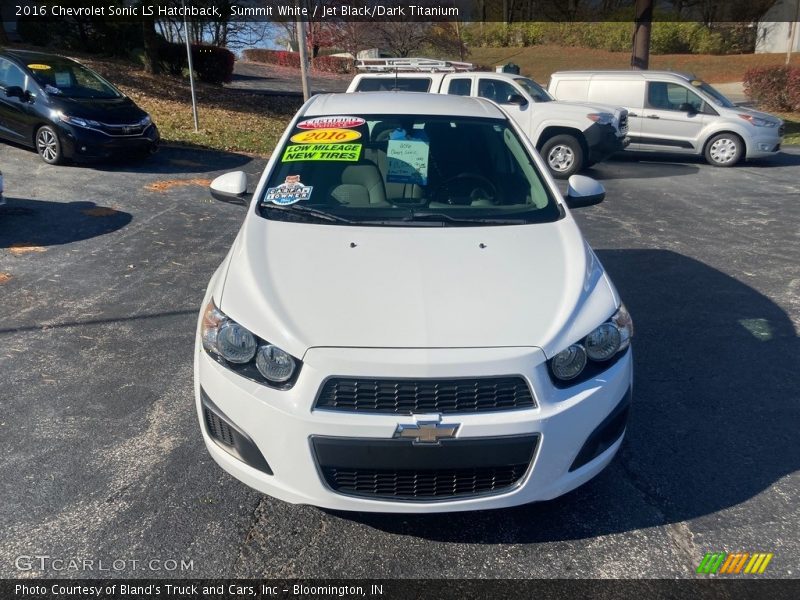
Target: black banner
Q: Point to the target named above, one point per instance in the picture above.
(176, 589)
(486, 11)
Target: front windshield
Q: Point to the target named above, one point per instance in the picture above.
(390, 170)
(537, 92)
(713, 93)
(68, 79)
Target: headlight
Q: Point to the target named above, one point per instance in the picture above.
(601, 118)
(569, 363)
(601, 345)
(274, 364)
(232, 345)
(757, 121)
(79, 121)
(145, 121)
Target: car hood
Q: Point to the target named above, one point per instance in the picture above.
(113, 111)
(757, 113)
(302, 285)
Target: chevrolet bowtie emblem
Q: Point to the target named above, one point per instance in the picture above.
(426, 432)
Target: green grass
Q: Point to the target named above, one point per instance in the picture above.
(792, 127)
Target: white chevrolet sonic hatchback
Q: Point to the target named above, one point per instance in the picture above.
(409, 319)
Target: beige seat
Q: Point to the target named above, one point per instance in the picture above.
(361, 185)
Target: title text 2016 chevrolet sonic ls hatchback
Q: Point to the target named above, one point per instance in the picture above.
(409, 319)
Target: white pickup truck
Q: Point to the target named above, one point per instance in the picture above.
(570, 136)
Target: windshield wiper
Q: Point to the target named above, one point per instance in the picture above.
(301, 209)
(450, 220)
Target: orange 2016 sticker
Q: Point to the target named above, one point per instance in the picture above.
(316, 136)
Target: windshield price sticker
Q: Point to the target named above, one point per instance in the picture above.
(408, 161)
(313, 136)
(289, 192)
(336, 122)
(322, 152)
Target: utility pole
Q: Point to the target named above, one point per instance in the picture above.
(301, 48)
(191, 69)
(640, 58)
(793, 32)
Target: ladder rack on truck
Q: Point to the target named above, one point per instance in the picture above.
(389, 65)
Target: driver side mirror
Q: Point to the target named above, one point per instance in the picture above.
(584, 191)
(688, 108)
(14, 91)
(230, 187)
(517, 99)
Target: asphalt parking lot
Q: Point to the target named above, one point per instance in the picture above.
(102, 270)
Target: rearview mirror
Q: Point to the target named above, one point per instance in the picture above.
(584, 191)
(230, 187)
(517, 99)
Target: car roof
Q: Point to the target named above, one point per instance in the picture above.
(401, 103)
(27, 56)
(632, 74)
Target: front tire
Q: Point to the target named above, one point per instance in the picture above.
(724, 150)
(564, 156)
(48, 145)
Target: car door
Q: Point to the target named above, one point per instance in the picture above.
(672, 118)
(501, 91)
(15, 113)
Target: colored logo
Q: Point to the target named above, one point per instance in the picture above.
(315, 136)
(725, 563)
(335, 122)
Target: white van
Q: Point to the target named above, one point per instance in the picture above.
(676, 112)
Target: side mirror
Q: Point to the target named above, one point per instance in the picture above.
(14, 91)
(688, 108)
(517, 99)
(584, 191)
(230, 187)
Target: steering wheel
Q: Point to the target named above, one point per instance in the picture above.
(465, 188)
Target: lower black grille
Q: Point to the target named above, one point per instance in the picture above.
(217, 428)
(409, 396)
(395, 469)
(423, 484)
(623, 124)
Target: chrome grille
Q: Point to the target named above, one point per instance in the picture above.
(410, 396)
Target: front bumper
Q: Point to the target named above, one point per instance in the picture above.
(603, 141)
(764, 144)
(87, 144)
(283, 424)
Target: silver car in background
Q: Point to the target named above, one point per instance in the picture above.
(676, 112)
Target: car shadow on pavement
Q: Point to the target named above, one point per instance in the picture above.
(29, 225)
(713, 424)
(175, 159)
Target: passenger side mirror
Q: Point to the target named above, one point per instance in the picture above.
(230, 187)
(517, 99)
(584, 191)
(688, 108)
(14, 91)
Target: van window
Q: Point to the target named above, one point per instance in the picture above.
(670, 96)
(389, 84)
(494, 89)
(572, 89)
(617, 92)
(460, 87)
